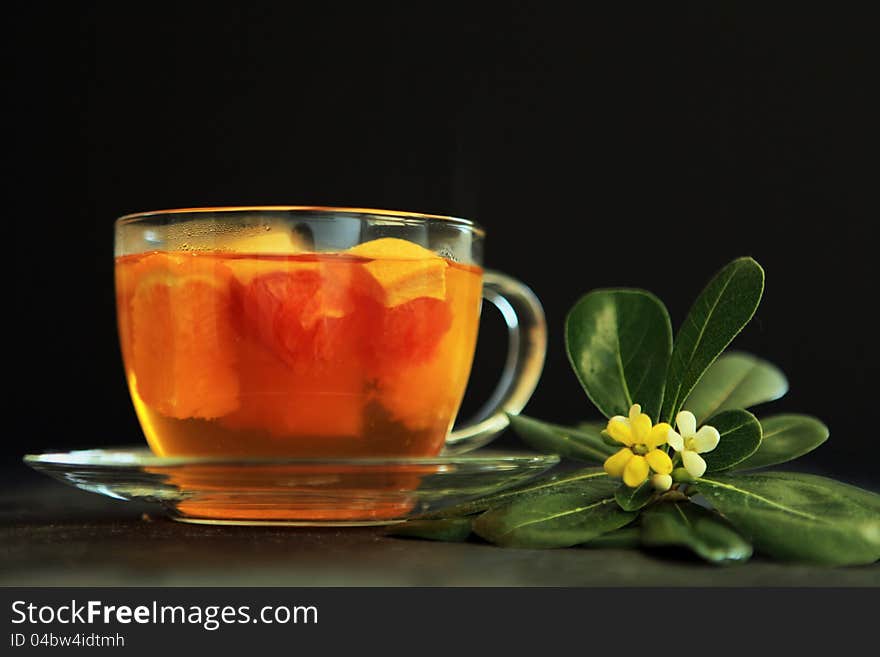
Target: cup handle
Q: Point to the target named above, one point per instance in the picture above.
(526, 348)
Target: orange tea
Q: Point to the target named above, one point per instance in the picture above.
(364, 352)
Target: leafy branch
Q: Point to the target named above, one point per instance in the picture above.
(687, 488)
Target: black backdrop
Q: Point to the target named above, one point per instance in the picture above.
(637, 147)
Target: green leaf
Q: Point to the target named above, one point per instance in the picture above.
(565, 482)
(568, 442)
(735, 380)
(702, 531)
(786, 437)
(627, 537)
(740, 437)
(444, 529)
(619, 342)
(798, 516)
(633, 499)
(556, 519)
(721, 311)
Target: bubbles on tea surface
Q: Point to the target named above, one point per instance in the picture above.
(242, 234)
(446, 251)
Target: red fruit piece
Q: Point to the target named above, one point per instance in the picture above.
(297, 314)
(301, 371)
(411, 331)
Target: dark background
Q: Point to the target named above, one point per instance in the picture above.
(642, 147)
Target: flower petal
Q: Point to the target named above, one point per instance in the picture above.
(686, 423)
(675, 440)
(620, 431)
(615, 464)
(661, 481)
(693, 463)
(641, 428)
(658, 435)
(707, 439)
(659, 461)
(634, 411)
(636, 471)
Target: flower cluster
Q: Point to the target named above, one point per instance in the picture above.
(643, 455)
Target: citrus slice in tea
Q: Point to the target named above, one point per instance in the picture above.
(301, 351)
(404, 270)
(295, 312)
(413, 313)
(183, 342)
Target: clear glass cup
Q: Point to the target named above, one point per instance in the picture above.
(313, 332)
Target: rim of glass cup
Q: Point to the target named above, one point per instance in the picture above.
(399, 216)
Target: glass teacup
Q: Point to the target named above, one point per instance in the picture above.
(307, 332)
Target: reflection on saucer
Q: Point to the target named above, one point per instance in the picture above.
(291, 491)
(299, 492)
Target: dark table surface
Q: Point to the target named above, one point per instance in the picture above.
(53, 535)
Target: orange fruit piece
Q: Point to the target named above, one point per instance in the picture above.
(404, 270)
(413, 364)
(413, 314)
(418, 395)
(183, 342)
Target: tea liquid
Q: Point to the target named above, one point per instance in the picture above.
(361, 353)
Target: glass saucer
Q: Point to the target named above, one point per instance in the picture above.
(340, 492)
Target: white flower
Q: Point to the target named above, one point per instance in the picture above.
(690, 443)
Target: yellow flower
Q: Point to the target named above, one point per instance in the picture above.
(635, 462)
(690, 443)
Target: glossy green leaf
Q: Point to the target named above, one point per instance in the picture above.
(721, 311)
(633, 499)
(555, 519)
(786, 437)
(557, 483)
(735, 380)
(627, 537)
(568, 442)
(740, 438)
(619, 342)
(443, 529)
(799, 517)
(688, 525)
